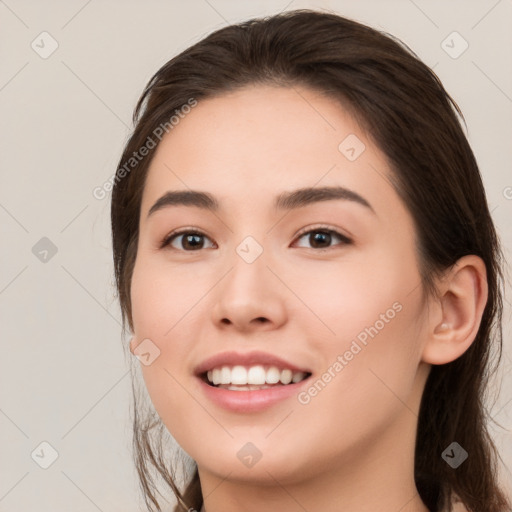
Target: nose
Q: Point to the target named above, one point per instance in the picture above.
(250, 297)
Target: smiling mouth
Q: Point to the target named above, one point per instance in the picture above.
(252, 378)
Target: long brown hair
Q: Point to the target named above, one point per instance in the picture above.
(405, 109)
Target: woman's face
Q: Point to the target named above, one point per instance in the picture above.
(281, 285)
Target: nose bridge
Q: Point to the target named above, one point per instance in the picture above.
(249, 273)
(249, 291)
(252, 251)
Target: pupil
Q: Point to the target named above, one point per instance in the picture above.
(195, 244)
(321, 237)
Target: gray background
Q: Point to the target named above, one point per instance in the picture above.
(64, 374)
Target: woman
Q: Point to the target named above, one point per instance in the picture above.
(311, 276)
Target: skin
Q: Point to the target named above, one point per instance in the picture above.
(351, 447)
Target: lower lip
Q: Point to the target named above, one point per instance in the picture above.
(249, 401)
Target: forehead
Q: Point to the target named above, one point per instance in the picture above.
(275, 125)
(252, 144)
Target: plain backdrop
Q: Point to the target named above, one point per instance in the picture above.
(71, 72)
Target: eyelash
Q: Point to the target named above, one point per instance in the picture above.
(320, 229)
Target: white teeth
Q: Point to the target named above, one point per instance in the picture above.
(273, 375)
(240, 378)
(225, 375)
(286, 376)
(256, 375)
(238, 375)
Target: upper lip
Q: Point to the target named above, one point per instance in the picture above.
(245, 359)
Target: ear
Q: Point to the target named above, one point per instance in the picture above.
(463, 293)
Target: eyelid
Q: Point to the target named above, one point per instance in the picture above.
(316, 227)
(324, 227)
(182, 231)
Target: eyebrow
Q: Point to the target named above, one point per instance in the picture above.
(285, 201)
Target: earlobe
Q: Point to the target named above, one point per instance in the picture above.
(463, 296)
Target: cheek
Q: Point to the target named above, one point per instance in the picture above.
(163, 297)
(153, 322)
(367, 332)
(358, 297)
(167, 309)
(364, 385)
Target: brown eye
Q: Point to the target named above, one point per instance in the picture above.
(190, 241)
(322, 238)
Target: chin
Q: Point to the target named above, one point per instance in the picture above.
(257, 462)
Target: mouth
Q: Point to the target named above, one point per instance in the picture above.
(249, 382)
(252, 378)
